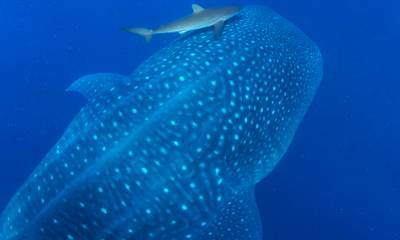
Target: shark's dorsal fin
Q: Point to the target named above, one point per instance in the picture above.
(94, 85)
(197, 8)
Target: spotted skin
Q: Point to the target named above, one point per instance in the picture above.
(174, 150)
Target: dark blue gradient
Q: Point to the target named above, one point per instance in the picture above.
(340, 178)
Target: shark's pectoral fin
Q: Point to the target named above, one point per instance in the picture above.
(238, 219)
(218, 27)
(197, 8)
(94, 85)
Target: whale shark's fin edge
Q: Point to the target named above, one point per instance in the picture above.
(240, 209)
(91, 86)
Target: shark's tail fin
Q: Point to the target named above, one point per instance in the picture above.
(144, 32)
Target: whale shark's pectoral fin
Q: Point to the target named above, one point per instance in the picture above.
(238, 219)
(218, 27)
(94, 85)
(197, 8)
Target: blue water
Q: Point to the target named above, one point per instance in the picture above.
(340, 179)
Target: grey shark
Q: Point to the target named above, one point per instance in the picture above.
(173, 151)
(201, 18)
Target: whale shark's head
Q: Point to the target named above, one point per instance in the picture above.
(173, 151)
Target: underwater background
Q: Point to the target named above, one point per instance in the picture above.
(340, 178)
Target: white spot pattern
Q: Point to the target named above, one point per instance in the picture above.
(173, 151)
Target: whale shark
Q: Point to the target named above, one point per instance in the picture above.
(174, 150)
(201, 18)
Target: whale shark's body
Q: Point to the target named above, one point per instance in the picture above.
(174, 150)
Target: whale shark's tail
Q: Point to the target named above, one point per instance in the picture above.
(144, 32)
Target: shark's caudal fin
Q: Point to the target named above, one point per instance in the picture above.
(144, 32)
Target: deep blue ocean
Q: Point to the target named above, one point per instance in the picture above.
(340, 178)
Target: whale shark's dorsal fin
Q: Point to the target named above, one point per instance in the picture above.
(197, 8)
(94, 85)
